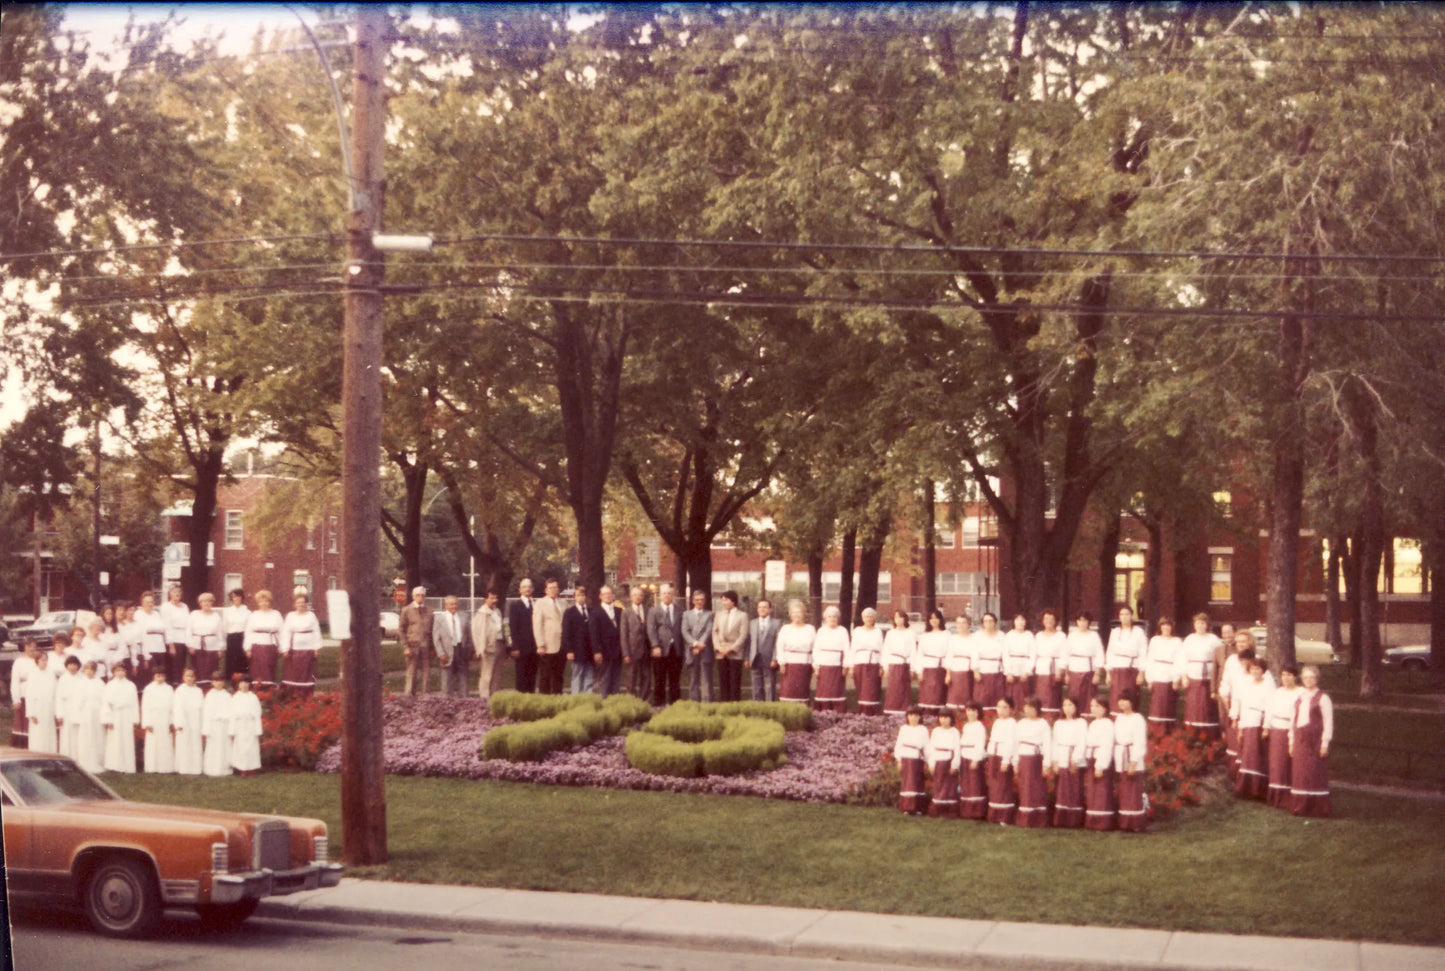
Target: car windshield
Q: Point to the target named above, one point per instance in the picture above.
(47, 620)
(51, 782)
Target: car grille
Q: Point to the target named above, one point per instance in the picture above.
(272, 848)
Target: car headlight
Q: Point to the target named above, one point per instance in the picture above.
(220, 858)
(320, 850)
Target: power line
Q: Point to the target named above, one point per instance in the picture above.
(176, 244)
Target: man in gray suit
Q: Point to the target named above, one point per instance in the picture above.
(636, 654)
(452, 634)
(697, 648)
(664, 633)
(762, 638)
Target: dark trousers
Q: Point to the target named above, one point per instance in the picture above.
(666, 679)
(730, 679)
(639, 677)
(527, 673)
(236, 661)
(550, 671)
(176, 655)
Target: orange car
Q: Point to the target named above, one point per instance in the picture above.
(67, 835)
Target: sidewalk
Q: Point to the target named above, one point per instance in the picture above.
(842, 935)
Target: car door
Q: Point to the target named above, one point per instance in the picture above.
(17, 834)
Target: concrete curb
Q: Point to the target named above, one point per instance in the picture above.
(841, 935)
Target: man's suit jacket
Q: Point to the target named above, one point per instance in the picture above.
(519, 620)
(634, 633)
(696, 629)
(577, 634)
(486, 631)
(447, 644)
(414, 627)
(762, 639)
(606, 632)
(663, 635)
(730, 633)
(547, 625)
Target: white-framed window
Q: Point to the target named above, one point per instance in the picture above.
(970, 531)
(885, 587)
(953, 584)
(1128, 577)
(231, 582)
(649, 556)
(333, 537)
(1408, 573)
(1221, 574)
(234, 534)
(945, 536)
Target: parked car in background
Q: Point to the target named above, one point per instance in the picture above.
(69, 836)
(1306, 651)
(46, 626)
(390, 625)
(1412, 657)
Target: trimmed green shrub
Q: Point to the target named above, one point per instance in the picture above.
(687, 743)
(791, 715)
(629, 709)
(662, 755)
(686, 724)
(547, 723)
(519, 706)
(531, 741)
(746, 744)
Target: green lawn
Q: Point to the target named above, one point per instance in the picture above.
(1375, 872)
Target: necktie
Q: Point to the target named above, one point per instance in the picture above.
(584, 613)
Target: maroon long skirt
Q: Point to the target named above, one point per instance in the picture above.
(797, 680)
(973, 791)
(832, 693)
(263, 666)
(206, 663)
(1163, 705)
(1033, 810)
(20, 724)
(1253, 778)
(1099, 807)
(900, 690)
(1231, 749)
(1132, 817)
(932, 693)
(300, 676)
(1200, 712)
(1279, 769)
(911, 795)
(960, 689)
(1018, 691)
(1051, 694)
(1081, 689)
(1069, 799)
(1309, 789)
(945, 790)
(988, 689)
(1000, 790)
(867, 678)
(1120, 681)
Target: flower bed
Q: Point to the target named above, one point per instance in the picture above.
(296, 732)
(1175, 768)
(437, 736)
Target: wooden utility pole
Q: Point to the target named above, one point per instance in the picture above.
(363, 794)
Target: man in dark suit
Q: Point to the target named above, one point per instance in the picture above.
(524, 645)
(607, 644)
(664, 633)
(762, 640)
(577, 641)
(636, 656)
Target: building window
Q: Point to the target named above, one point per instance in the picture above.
(333, 583)
(232, 582)
(1221, 576)
(954, 584)
(301, 579)
(649, 556)
(311, 537)
(233, 530)
(945, 538)
(1223, 503)
(333, 541)
(745, 583)
(970, 531)
(885, 587)
(1128, 578)
(1407, 575)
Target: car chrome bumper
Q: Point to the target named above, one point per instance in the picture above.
(229, 888)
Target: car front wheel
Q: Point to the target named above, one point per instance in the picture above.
(224, 918)
(1413, 664)
(121, 898)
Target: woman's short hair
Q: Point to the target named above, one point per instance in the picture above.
(974, 707)
(868, 612)
(1085, 616)
(1202, 616)
(1289, 669)
(915, 710)
(1048, 612)
(989, 613)
(827, 611)
(1034, 702)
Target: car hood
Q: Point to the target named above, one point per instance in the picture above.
(122, 808)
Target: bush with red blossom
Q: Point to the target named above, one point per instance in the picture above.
(296, 731)
(1175, 769)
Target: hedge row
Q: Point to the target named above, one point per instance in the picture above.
(791, 715)
(521, 706)
(586, 719)
(693, 744)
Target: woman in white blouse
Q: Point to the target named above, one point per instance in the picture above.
(932, 650)
(1309, 747)
(234, 616)
(900, 645)
(794, 652)
(300, 640)
(262, 641)
(206, 638)
(830, 654)
(866, 660)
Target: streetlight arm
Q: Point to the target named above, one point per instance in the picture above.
(340, 112)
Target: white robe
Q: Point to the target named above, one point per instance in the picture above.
(89, 735)
(40, 710)
(156, 703)
(120, 712)
(186, 718)
(216, 726)
(245, 731)
(67, 693)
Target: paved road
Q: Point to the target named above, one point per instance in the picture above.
(47, 940)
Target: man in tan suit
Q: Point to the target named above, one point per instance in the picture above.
(547, 631)
(729, 639)
(636, 657)
(414, 630)
(487, 642)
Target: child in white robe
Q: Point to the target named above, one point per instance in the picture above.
(156, 704)
(245, 729)
(216, 727)
(40, 707)
(67, 693)
(186, 719)
(120, 713)
(89, 735)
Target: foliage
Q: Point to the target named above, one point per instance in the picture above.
(549, 723)
(880, 789)
(296, 731)
(792, 716)
(1175, 769)
(689, 745)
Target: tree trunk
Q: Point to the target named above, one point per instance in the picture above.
(699, 570)
(1372, 535)
(414, 475)
(870, 561)
(1108, 560)
(930, 551)
(815, 587)
(1154, 573)
(1434, 557)
(1332, 596)
(845, 585)
(1287, 488)
(196, 578)
(1350, 566)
